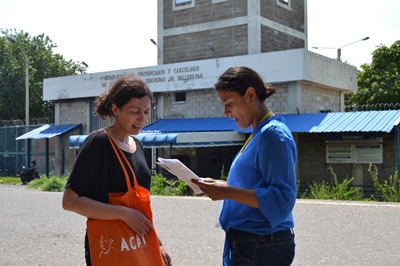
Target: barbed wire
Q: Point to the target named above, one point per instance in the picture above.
(373, 107)
(32, 121)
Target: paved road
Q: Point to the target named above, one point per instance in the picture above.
(35, 230)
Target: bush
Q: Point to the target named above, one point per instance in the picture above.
(171, 187)
(53, 184)
(389, 190)
(333, 190)
(222, 174)
(157, 186)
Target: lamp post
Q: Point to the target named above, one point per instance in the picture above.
(211, 47)
(339, 50)
(11, 38)
(158, 48)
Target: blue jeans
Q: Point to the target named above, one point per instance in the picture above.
(249, 249)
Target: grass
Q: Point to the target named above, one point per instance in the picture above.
(388, 191)
(10, 180)
(53, 183)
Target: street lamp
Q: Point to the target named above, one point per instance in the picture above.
(211, 47)
(339, 50)
(11, 38)
(158, 48)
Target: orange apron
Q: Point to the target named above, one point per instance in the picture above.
(112, 242)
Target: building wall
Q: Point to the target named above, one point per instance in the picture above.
(292, 17)
(289, 18)
(72, 112)
(316, 98)
(198, 104)
(204, 11)
(235, 27)
(205, 103)
(227, 41)
(312, 164)
(273, 40)
(278, 102)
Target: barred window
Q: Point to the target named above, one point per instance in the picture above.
(180, 96)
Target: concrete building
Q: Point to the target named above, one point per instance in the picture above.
(197, 41)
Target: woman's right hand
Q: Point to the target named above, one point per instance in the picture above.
(137, 221)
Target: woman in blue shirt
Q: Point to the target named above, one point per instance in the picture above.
(260, 193)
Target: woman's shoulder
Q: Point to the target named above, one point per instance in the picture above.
(95, 138)
(96, 135)
(137, 141)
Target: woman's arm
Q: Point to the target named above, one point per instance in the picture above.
(103, 211)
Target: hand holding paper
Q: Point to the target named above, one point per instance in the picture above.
(177, 168)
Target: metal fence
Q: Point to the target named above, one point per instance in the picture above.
(13, 153)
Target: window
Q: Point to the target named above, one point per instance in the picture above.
(182, 4)
(218, 1)
(180, 96)
(284, 3)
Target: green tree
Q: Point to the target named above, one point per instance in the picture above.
(43, 63)
(379, 82)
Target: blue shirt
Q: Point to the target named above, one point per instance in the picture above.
(266, 165)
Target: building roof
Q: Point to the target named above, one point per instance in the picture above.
(192, 125)
(49, 131)
(219, 131)
(363, 121)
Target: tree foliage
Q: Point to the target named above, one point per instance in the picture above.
(42, 62)
(379, 82)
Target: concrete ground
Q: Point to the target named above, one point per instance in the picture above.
(35, 230)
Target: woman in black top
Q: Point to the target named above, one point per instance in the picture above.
(97, 172)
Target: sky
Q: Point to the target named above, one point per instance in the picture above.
(116, 35)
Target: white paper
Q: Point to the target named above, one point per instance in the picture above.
(177, 168)
(219, 210)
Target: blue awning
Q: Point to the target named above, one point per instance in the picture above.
(49, 131)
(193, 125)
(75, 141)
(182, 139)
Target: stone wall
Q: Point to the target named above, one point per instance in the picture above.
(203, 12)
(180, 48)
(205, 103)
(317, 98)
(72, 112)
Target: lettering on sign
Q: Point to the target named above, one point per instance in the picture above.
(162, 75)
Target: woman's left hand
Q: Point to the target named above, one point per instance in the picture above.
(166, 257)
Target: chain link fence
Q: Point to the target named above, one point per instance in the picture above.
(13, 153)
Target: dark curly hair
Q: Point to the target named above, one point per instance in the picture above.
(122, 91)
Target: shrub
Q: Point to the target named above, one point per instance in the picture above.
(344, 191)
(53, 183)
(157, 184)
(222, 174)
(171, 187)
(333, 190)
(389, 190)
